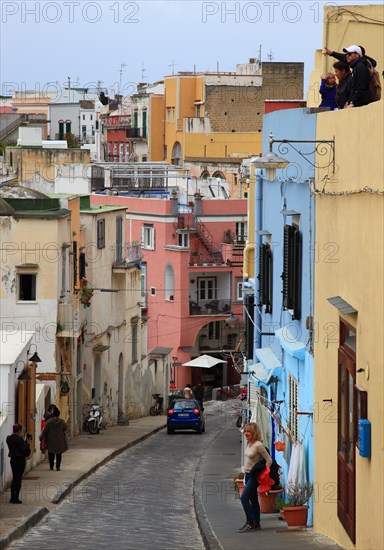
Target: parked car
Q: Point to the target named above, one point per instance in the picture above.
(185, 414)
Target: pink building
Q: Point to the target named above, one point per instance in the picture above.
(191, 280)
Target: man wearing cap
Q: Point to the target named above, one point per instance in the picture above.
(355, 57)
(360, 76)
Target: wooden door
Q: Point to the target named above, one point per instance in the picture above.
(346, 460)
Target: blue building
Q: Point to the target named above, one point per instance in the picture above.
(279, 302)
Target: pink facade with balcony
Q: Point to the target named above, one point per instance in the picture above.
(191, 279)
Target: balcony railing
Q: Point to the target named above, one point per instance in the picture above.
(210, 307)
(129, 255)
(136, 133)
(201, 258)
(68, 322)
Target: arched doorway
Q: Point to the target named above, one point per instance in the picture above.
(177, 154)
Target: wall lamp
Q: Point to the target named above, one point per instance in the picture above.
(24, 373)
(34, 358)
(322, 148)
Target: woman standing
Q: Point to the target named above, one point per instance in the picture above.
(254, 452)
(55, 434)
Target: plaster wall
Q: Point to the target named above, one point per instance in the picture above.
(354, 224)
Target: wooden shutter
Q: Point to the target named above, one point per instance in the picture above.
(265, 277)
(82, 265)
(74, 251)
(249, 328)
(292, 270)
(297, 274)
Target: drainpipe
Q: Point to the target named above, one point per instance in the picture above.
(258, 226)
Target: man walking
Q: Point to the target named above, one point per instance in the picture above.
(18, 451)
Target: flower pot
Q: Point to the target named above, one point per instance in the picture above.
(280, 445)
(282, 514)
(296, 516)
(267, 501)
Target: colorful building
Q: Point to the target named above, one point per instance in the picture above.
(191, 280)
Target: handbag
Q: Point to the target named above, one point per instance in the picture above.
(43, 445)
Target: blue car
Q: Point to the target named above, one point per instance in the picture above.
(185, 414)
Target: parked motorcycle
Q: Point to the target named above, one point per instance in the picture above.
(94, 418)
(157, 408)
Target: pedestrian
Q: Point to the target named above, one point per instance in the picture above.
(46, 416)
(343, 88)
(343, 57)
(55, 434)
(18, 451)
(361, 67)
(198, 392)
(187, 391)
(254, 453)
(328, 91)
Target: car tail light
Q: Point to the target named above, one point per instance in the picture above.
(196, 411)
(170, 412)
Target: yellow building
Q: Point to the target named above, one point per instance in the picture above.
(349, 312)
(213, 120)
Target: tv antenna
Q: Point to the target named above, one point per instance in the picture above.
(270, 56)
(121, 70)
(173, 65)
(143, 71)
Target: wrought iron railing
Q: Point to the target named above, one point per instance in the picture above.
(210, 307)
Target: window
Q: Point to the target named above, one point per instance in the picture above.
(183, 240)
(293, 407)
(83, 117)
(68, 125)
(292, 271)
(169, 283)
(239, 290)
(265, 277)
(91, 117)
(101, 233)
(206, 288)
(144, 119)
(27, 287)
(168, 114)
(197, 108)
(61, 130)
(144, 158)
(249, 325)
(119, 239)
(214, 330)
(148, 237)
(143, 294)
(135, 119)
(82, 265)
(241, 232)
(134, 342)
(63, 270)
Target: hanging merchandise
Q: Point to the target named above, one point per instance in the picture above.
(297, 468)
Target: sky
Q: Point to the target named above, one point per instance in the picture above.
(121, 43)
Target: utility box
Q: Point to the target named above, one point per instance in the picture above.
(365, 438)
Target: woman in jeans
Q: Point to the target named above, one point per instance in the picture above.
(55, 434)
(254, 452)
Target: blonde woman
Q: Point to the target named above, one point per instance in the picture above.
(254, 452)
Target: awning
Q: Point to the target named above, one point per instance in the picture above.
(270, 362)
(290, 344)
(259, 372)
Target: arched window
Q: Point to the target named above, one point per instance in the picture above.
(177, 154)
(219, 175)
(204, 175)
(169, 283)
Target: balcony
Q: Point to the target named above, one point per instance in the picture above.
(127, 256)
(210, 307)
(136, 133)
(68, 321)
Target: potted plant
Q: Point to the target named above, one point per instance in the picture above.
(239, 483)
(267, 501)
(64, 387)
(295, 509)
(280, 503)
(86, 293)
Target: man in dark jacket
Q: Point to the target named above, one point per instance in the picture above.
(360, 77)
(343, 88)
(18, 451)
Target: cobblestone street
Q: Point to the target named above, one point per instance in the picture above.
(140, 499)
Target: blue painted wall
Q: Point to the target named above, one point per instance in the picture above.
(290, 191)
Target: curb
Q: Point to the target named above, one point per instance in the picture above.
(34, 518)
(30, 521)
(60, 496)
(211, 542)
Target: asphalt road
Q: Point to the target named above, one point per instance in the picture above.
(141, 500)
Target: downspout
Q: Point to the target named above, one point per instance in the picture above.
(258, 227)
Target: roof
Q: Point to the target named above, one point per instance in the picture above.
(160, 350)
(13, 344)
(87, 208)
(20, 192)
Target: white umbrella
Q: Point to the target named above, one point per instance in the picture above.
(204, 361)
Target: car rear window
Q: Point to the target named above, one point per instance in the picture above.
(187, 404)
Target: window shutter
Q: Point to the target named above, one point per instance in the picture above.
(268, 278)
(288, 265)
(154, 238)
(82, 265)
(142, 236)
(249, 328)
(261, 274)
(297, 275)
(74, 250)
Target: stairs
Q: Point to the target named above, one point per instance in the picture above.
(206, 239)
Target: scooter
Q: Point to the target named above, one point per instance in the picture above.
(157, 408)
(94, 418)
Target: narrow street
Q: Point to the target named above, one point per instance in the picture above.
(141, 499)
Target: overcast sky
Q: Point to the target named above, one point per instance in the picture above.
(89, 41)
